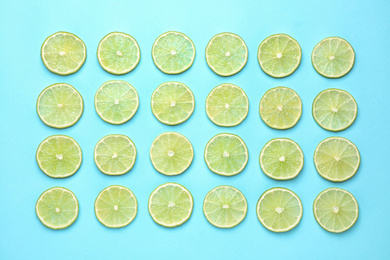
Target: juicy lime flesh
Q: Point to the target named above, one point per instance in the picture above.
(227, 105)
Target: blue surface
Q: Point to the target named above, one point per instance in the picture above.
(24, 25)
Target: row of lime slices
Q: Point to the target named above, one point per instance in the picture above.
(118, 53)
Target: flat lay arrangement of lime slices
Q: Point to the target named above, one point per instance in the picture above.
(116, 102)
(336, 210)
(171, 153)
(226, 154)
(59, 156)
(63, 53)
(60, 105)
(225, 207)
(227, 105)
(226, 54)
(281, 159)
(280, 108)
(118, 53)
(334, 109)
(57, 208)
(172, 103)
(115, 154)
(333, 57)
(170, 204)
(173, 52)
(279, 209)
(116, 206)
(337, 159)
(279, 55)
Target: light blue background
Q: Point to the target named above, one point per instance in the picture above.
(24, 25)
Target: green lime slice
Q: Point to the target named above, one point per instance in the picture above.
(173, 52)
(334, 109)
(226, 54)
(337, 159)
(172, 103)
(336, 210)
(225, 207)
(280, 108)
(171, 153)
(281, 159)
(279, 209)
(59, 156)
(57, 208)
(170, 205)
(116, 206)
(226, 154)
(279, 55)
(63, 53)
(115, 154)
(333, 57)
(118, 53)
(116, 102)
(227, 105)
(60, 105)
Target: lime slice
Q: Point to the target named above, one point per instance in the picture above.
(116, 102)
(118, 53)
(63, 53)
(279, 55)
(115, 154)
(279, 209)
(333, 57)
(171, 153)
(225, 207)
(336, 210)
(281, 159)
(226, 154)
(226, 54)
(227, 105)
(334, 109)
(173, 52)
(59, 156)
(57, 208)
(172, 103)
(60, 105)
(337, 159)
(115, 206)
(280, 108)
(170, 205)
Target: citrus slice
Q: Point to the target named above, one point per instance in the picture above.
(226, 54)
(60, 105)
(334, 109)
(279, 55)
(172, 103)
(226, 154)
(115, 206)
(115, 154)
(279, 209)
(337, 159)
(57, 208)
(63, 53)
(333, 57)
(280, 108)
(116, 102)
(281, 159)
(170, 204)
(171, 153)
(118, 53)
(225, 207)
(336, 210)
(227, 105)
(173, 52)
(59, 156)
